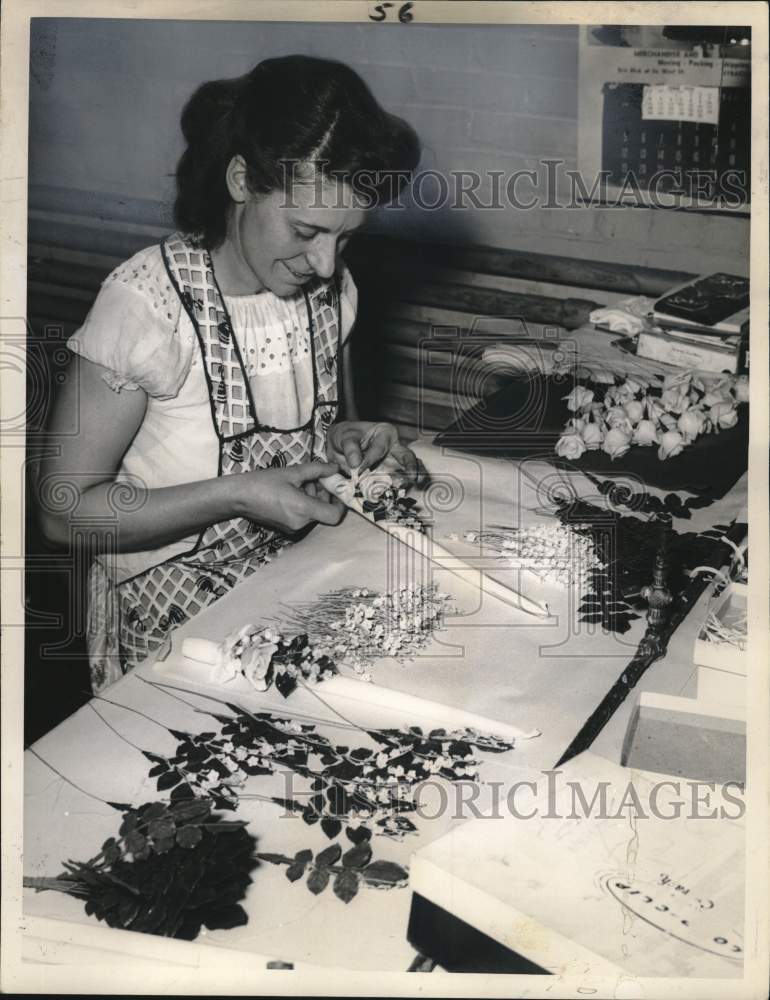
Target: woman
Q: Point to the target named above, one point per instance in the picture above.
(203, 407)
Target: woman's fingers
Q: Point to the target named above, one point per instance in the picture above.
(423, 476)
(318, 492)
(362, 445)
(311, 471)
(325, 512)
(352, 452)
(407, 461)
(317, 503)
(378, 448)
(323, 494)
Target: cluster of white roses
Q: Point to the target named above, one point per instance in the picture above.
(688, 405)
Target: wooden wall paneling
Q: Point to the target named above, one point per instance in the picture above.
(442, 369)
(427, 409)
(626, 278)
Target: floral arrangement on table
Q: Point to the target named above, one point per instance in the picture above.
(170, 870)
(361, 790)
(390, 503)
(264, 656)
(352, 787)
(357, 625)
(380, 497)
(353, 626)
(552, 552)
(671, 416)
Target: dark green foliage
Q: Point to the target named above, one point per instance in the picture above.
(175, 869)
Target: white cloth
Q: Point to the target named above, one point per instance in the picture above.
(627, 316)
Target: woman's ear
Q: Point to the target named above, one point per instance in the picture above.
(237, 183)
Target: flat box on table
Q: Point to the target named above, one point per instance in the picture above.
(709, 354)
(583, 890)
(689, 737)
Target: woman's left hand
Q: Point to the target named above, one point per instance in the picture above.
(361, 444)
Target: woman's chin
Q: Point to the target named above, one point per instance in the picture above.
(286, 287)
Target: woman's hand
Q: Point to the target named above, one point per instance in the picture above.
(361, 444)
(287, 499)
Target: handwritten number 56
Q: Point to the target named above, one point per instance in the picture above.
(381, 12)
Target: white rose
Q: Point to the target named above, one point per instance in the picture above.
(634, 386)
(741, 389)
(616, 442)
(690, 424)
(578, 398)
(255, 663)
(715, 396)
(645, 433)
(616, 417)
(226, 669)
(234, 641)
(668, 420)
(619, 394)
(593, 436)
(570, 445)
(671, 443)
(676, 380)
(634, 411)
(578, 424)
(723, 415)
(674, 398)
(655, 408)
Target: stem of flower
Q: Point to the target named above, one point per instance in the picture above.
(64, 777)
(114, 730)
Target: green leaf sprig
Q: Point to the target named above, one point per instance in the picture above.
(347, 872)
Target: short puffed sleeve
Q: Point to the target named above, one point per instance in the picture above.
(133, 329)
(348, 303)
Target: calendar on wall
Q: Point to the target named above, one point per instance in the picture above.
(664, 124)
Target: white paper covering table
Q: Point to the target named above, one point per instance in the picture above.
(492, 661)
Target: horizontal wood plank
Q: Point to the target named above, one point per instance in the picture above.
(427, 409)
(627, 278)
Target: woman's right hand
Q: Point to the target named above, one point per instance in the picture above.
(288, 499)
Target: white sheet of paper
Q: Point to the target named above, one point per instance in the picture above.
(661, 102)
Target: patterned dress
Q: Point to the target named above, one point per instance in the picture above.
(234, 384)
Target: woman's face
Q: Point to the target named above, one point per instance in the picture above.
(281, 242)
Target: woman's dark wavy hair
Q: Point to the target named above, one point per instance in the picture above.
(294, 108)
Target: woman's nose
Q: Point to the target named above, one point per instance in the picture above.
(323, 257)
